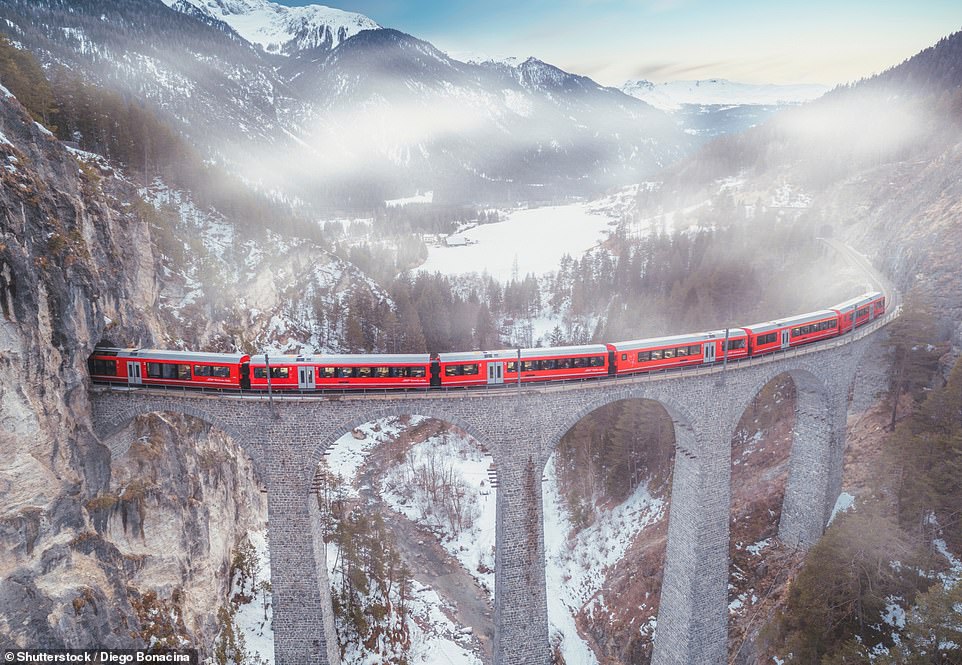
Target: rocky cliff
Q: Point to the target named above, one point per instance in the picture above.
(93, 547)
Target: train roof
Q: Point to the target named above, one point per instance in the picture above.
(798, 320)
(179, 356)
(690, 338)
(512, 354)
(346, 359)
(854, 303)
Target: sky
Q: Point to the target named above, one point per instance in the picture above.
(768, 41)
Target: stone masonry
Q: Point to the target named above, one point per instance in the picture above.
(521, 428)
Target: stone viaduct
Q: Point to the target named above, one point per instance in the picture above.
(521, 428)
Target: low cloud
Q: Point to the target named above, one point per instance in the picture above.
(675, 70)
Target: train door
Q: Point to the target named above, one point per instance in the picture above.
(133, 373)
(709, 351)
(305, 378)
(495, 372)
(785, 338)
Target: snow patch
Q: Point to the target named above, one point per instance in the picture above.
(843, 504)
(426, 197)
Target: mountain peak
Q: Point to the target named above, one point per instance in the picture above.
(279, 29)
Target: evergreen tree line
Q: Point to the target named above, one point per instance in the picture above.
(701, 280)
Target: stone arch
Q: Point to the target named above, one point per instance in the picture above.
(114, 431)
(338, 430)
(333, 431)
(680, 416)
(673, 613)
(813, 461)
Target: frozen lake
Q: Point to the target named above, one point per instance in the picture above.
(537, 238)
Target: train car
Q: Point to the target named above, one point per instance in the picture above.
(860, 310)
(177, 368)
(341, 371)
(647, 355)
(475, 368)
(793, 331)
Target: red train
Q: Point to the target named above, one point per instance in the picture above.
(236, 371)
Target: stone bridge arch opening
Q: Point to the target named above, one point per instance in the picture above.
(607, 491)
(412, 494)
(783, 453)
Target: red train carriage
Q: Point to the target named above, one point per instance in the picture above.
(341, 371)
(793, 331)
(646, 355)
(494, 367)
(179, 368)
(858, 311)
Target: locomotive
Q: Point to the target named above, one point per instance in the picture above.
(238, 371)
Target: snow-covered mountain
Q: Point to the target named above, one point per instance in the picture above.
(712, 107)
(279, 29)
(353, 116)
(672, 95)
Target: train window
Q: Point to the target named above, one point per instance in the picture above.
(326, 372)
(153, 371)
(382, 372)
(681, 352)
(597, 361)
(276, 372)
(656, 354)
(734, 344)
(796, 332)
(527, 366)
(452, 370)
(564, 363)
(414, 371)
(833, 324)
(644, 356)
(345, 372)
(364, 372)
(668, 353)
(183, 372)
(202, 370)
(578, 362)
(511, 368)
(624, 356)
(471, 369)
(103, 367)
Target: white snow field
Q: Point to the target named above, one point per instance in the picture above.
(534, 239)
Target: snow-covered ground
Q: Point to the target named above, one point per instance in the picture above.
(576, 568)
(255, 619)
(472, 545)
(426, 197)
(533, 240)
(435, 639)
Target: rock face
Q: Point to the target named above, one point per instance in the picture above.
(89, 545)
